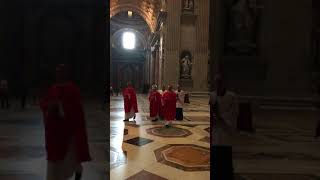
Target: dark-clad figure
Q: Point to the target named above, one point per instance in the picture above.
(180, 102)
(4, 93)
(223, 117)
(155, 103)
(224, 113)
(130, 102)
(65, 129)
(111, 91)
(116, 89)
(23, 94)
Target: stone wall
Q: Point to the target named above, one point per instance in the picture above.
(187, 32)
(282, 64)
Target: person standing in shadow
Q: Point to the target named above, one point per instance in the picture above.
(4, 94)
(223, 121)
(23, 94)
(180, 102)
(65, 130)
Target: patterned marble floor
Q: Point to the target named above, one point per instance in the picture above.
(22, 154)
(146, 150)
(283, 147)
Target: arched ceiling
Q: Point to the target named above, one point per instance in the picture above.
(148, 9)
(136, 22)
(121, 22)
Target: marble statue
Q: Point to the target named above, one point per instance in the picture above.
(186, 66)
(242, 26)
(188, 5)
(242, 21)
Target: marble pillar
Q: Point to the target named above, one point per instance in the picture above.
(187, 32)
(171, 64)
(201, 54)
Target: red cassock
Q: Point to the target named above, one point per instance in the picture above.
(130, 99)
(59, 130)
(169, 100)
(155, 103)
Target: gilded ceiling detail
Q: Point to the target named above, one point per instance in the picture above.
(148, 9)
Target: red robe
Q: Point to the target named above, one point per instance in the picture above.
(155, 103)
(161, 106)
(130, 99)
(169, 100)
(60, 129)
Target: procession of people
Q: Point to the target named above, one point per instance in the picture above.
(164, 104)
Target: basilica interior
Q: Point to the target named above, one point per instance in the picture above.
(267, 52)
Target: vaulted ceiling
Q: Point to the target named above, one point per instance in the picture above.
(136, 24)
(148, 9)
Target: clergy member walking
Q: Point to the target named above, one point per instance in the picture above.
(65, 129)
(162, 91)
(169, 103)
(155, 103)
(130, 102)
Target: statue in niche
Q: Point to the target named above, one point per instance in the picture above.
(242, 26)
(185, 66)
(188, 5)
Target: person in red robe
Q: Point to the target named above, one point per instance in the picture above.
(162, 91)
(130, 102)
(65, 130)
(155, 103)
(169, 102)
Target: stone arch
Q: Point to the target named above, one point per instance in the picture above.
(148, 9)
(115, 10)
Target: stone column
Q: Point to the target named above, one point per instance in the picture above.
(216, 39)
(171, 64)
(200, 66)
(157, 65)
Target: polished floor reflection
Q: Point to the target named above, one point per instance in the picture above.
(283, 147)
(22, 153)
(146, 150)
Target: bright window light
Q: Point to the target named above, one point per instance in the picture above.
(128, 40)
(130, 14)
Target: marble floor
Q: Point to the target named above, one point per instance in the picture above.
(282, 148)
(146, 150)
(22, 153)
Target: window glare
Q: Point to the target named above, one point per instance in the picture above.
(128, 40)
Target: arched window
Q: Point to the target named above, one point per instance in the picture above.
(128, 40)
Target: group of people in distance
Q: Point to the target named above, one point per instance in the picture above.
(164, 104)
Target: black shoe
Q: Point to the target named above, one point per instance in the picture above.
(78, 176)
(134, 117)
(154, 120)
(126, 120)
(167, 126)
